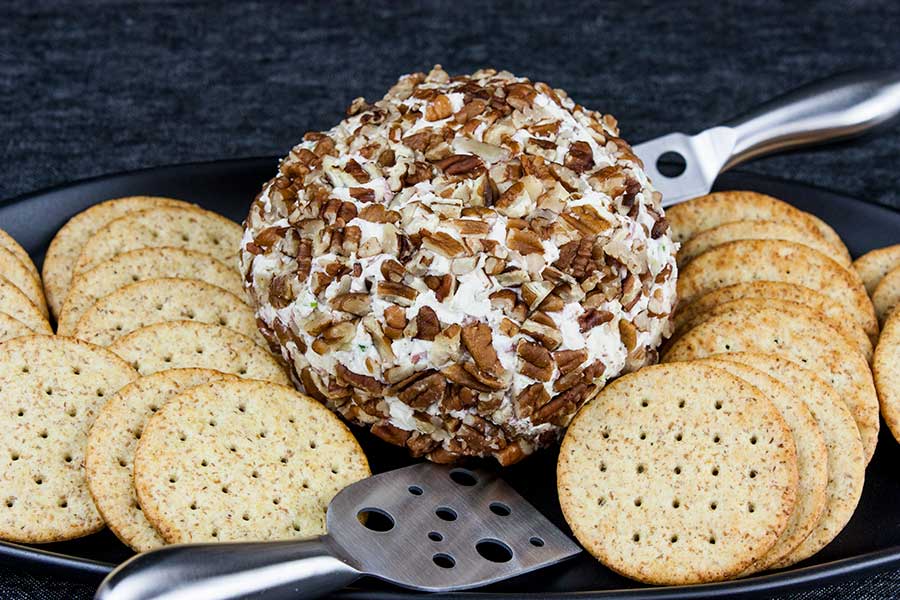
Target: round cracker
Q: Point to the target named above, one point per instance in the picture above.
(848, 330)
(660, 481)
(138, 265)
(7, 241)
(113, 440)
(50, 391)
(887, 294)
(59, 262)
(886, 367)
(812, 458)
(243, 460)
(846, 456)
(174, 227)
(765, 289)
(801, 338)
(160, 300)
(17, 305)
(12, 328)
(774, 260)
(874, 265)
(186, 344)
(755, 230)
(687, 219)
(18, 274)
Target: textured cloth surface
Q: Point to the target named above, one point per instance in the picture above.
(95, 87)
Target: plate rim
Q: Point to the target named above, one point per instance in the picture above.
(30, 557)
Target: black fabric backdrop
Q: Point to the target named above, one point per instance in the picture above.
(95, 87)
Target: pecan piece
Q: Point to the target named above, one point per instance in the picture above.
(392, 271)
(510, 454)
(580, 157)
(628, 333)
(362, 382)
(439, 108)
(379, 340)
(478, 341)
(569, 360)
(537, 362)
(424, 392)
(390, 433)
(427, 324)
(534, 292)
(356, 303)
(463, 165)
(563, 405)
(547, 335)
(395, 321)
(531, 399)
(396, 292)
(592, 318)
(631, 291)
(524, 242)
(444, 244)
(586, 220)
(334, 337)
(459, 375)
(442, 286)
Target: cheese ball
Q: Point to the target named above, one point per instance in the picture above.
(461, 265)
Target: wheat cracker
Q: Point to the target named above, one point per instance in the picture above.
(874, 265)
(9, 242)
(14, 271)
(887, 294)
(17, 305)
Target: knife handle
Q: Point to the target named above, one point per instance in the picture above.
(831, 109)
(290, 570)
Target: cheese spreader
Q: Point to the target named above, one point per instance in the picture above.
(425, 527)
(839, 107)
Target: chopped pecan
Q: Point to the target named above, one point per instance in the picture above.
(485, 378)
(439, 108)
(494, 265)
(421, 444)
(444, 244)
(356, 171)
(460, 375)
(313, 386)
(594, 371)
(510, 454)
(390, 433)
(513, 277)
(520, 95)
(463, 165)
(396, 292)
(283, 290)
(379, 340)
(377, 213)
(508, 328)
(580, 157)
(427, 324)
(478, 341)
(586, 220)
(524, 242)
(537, 362)
(561, 406)
(534, 292)
(419, 141)
(459, 398)
(470, 227)
(504, 300)
(531, 399)
(631, 291)
(363, 382)
(569, 360)
(357, 303)
(592, 318)
(387, 158)
(392, 271)
(547, 335)
(425, 391)
(446, 347)
(395, 321)
(334, 337)
(269, 236)
(515, 201)
(628, 333)
(471, 109)
(441, 456)
(442, 286)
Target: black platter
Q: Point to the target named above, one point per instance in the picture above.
(870, 542)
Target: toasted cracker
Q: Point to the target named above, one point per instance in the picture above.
(812, 457)
(158, 301)
(773, 260)
(16, 304)
(886, 368)
(846, 456)
(138, 265)
(186, 344)
(801, 338)
(851, 331)
(14, 271)
(113, 440)
(687, 219)
(59, 263)
(7, 241)
(756, 230)
(887, 294)
(174, 227)
(660, 481)
(12, 328)
(50, 391)
(874, 265)
(244, 460)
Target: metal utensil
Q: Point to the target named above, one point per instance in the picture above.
(423, 527)
(836, 108)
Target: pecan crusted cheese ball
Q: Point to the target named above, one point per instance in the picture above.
(462, 264)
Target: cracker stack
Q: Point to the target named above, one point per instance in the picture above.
(768, 299)
(23, 309)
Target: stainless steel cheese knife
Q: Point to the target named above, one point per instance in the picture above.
(424, 527)
(832, 109)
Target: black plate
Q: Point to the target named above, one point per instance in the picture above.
(871, 541)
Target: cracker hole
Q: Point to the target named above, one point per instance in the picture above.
(678, 470)
(284, 460)
(292, 420)
(681, 404)
(101, 393)
(636, 537)
(14, 456)
(193, 506)
(312, 445)
(159, 307)
(305, 485)
(135, 278)
(44, 434)
(137, 435)
(276, 501)
(678, 437)
(10, 502)
(167, 359)
(122, 462)
(182, 437)
(715, 471)
(72, 412)
(643, 436)
(712, 540)
(76, 371)
(222, 322)
(718, 405)
(49, 391)
(751, 507)
(334, 470)
(204, 463)
(262, 434)
(644, 403)
(296, 526)
(713, 505)
(153, 408)
(198, 350)
(673, 539)
(676, 503)
(26, 369)
(224, 489)
(603, 467)
(63, 503)
(640, 469)
(638, 501)
(601, 501)
(190, 315)
(753, 473)
(21, 413)
(245, 517)
(172, 479)
(716, 439)
(242, 371)
(212, 423)
(232, 448)
(39, 480)
(605, 435)
(215, 533)
(255, 474)
(119, 328)
(753, 440)
(242, 407)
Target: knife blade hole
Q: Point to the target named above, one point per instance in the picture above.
(415, 490)
(500, 509)
(445, 513)
(444, 561)
(434, 536)
(671, 164)
(494, 551)
(375, 519)
(463, 477)
(536, 542)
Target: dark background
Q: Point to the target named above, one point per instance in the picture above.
(96, 87)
